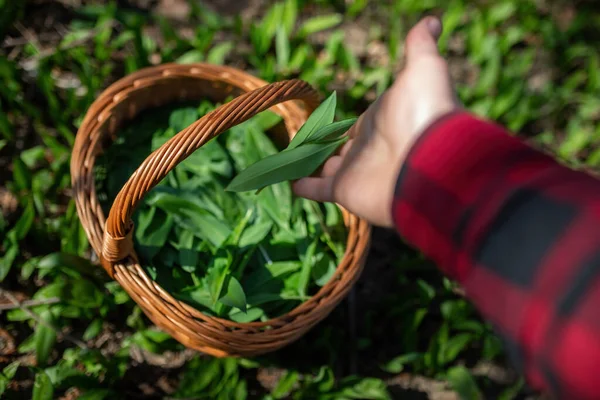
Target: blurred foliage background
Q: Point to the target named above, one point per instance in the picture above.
(405, 331)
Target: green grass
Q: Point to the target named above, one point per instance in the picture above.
(531, 66)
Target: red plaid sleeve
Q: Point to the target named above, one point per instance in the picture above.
(521, 233)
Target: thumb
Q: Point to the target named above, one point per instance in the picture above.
(422, 38)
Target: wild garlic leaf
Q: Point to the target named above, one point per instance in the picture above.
(323, 269)
(307, 264)
(218, 271)
(188, 255)
(238, 228)
(197, 295)
(195, 218)
(267, 120)
(255, 233)
(182, 118)
(276, 202)
(322, 116)
(234, 295)
(332, 131)
(252, 314)
(154, 227)
(288, 165)
(259, 278)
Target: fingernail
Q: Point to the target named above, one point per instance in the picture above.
(435, 26)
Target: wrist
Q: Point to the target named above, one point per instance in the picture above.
(436, 120)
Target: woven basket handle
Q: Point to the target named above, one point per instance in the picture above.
(117, 241)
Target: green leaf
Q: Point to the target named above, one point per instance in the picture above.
(252, 314)
(325, 379)
(299, 57)
(198, 220)
(54, 289)
(490, 75)
(45, 338)
(290, 12)
(237, 231)
(364, 389)
(27, 345)
(323, 269)
(285, 385)
(188, 253)
(463, 383)
(262, 34)
(307, 264)
(285, 166)
(333, 216)
(234, 295)
(70, 261)
(332, 131)
(397, 364)
(217, 54)
(356, 7)
(512, 392)
(332, 48)
(182, 118)
(11, 369)
(276, 270)
(501, 12)
(63, 373)
(322, 116)
(266, 120)
(199, 375)
(276, 202)
(319, 23)
(32, 156)
(42, 387)
(255, 233)
(218, 272)
(190, 57)
(93, 329)
(21, 174)
(83, 293)
(6, 262)
(153, 229)
(427, 291)
(282, 48)
(25, 222)
(151, 340)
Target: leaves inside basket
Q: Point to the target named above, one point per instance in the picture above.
(238, 255)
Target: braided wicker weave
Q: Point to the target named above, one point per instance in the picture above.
(111, 238)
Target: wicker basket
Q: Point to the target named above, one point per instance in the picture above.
(111, 238)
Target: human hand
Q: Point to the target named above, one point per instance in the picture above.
(363, 175)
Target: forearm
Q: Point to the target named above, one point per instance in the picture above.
(521, 233)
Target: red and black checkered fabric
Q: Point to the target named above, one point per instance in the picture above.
(521, 233)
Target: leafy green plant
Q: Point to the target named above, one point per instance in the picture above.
(323, 385)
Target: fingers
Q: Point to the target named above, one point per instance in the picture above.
(422, 38)
(342, 151)
(317, 189)
(331, 166)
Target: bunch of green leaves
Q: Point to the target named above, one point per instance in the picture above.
(314, 143)
(243, 256)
